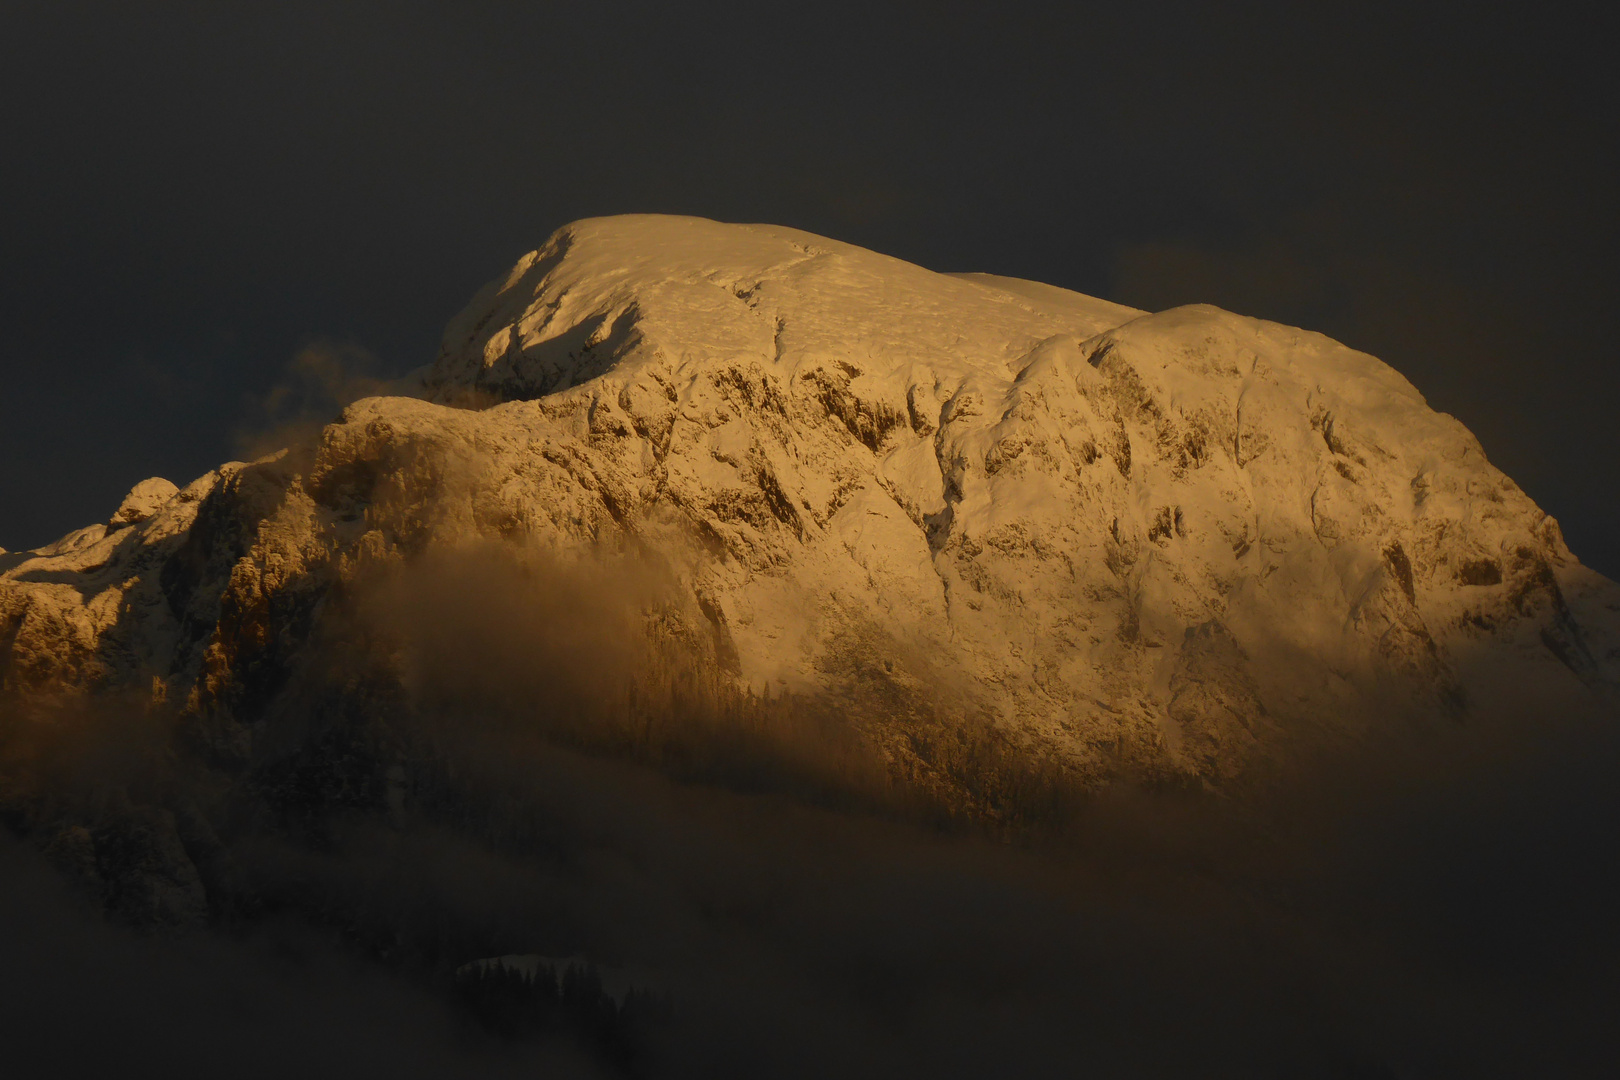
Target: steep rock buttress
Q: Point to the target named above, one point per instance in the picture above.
(1130, 542)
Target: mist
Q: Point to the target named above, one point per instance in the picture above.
(483, 756)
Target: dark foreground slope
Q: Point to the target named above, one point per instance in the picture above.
(1434, 908)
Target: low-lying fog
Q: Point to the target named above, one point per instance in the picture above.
(1433, 904)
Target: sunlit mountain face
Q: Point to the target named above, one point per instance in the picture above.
(744, 653)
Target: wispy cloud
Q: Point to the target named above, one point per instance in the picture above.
(319, 380)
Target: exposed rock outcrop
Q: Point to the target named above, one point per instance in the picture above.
(1129, 542)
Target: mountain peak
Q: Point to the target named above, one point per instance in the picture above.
(695, 289)
(1133, 544)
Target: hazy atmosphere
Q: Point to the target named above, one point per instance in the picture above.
(769, 630)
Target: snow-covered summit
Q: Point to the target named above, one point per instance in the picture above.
(144, 499)
(1169, 541)
(620, 293)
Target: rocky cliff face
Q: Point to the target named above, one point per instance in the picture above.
(1169, 544)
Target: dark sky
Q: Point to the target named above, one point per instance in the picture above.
(193, 192)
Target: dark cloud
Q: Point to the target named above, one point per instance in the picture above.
(1443, 916)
